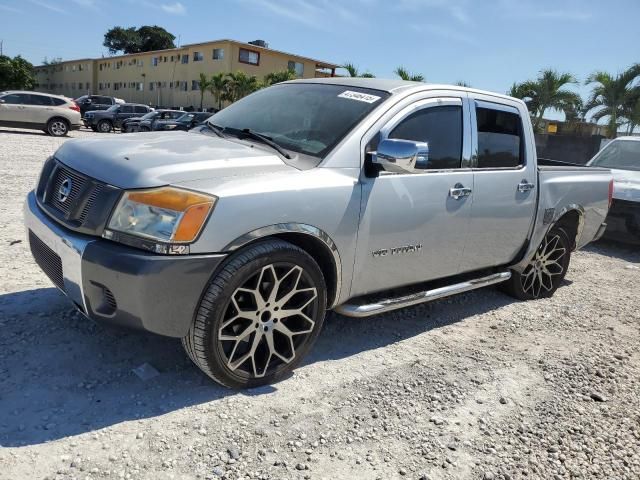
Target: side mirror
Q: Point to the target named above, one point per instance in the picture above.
(401, 156)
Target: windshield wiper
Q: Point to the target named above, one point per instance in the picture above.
(214, 129)
(247, 132)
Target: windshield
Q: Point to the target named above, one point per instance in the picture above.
(113, 108)
(185, 118)
(149, 115)
(619, 154)
(303, 117)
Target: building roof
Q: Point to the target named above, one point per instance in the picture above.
(251, 46)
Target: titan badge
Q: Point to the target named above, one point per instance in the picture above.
(405, 249)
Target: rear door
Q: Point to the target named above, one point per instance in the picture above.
(39, 108)
(125, 111)
(505, 183)
(412, 229)
(13, 108)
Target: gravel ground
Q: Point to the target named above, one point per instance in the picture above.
(477, 386)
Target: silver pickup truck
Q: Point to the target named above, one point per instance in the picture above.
(357, 195)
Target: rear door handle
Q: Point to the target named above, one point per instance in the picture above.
(525, 186)
(459, 191)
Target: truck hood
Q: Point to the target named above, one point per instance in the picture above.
(144, 160)
(626, 185)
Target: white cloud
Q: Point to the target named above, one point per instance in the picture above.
(48, 6)
(7, 8)
(312, 14)
(174, 8)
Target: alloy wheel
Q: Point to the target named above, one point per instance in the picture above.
(58, 128)
(546, 267)
(268, 318)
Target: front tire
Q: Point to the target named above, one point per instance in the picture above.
(259, 316)
(57, 127)
(546, 270)
(105, 126)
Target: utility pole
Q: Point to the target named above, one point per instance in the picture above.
(0, 48)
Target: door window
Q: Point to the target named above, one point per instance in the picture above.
(126, 109)
(15, 99)
(499, 139)
(441, 128)
(38, 100)
(141, 109)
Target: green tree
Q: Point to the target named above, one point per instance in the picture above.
(16, 74)
(203, 85)
(612, 97)
(136, 40)
(218, 86)
(240, 85)
(404, 74)
(353, 71)
(545, 92)
(277, 77)
(632, 110)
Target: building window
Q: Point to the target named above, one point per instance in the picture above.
(139, 87)
(154, 62)
(80, 67)
(297, 67)
(183, 86)
(249, 56)
(139, 63)
(165, 60)
(195, 85)
(151, 86)
(197, 56)
(218, 53)
(185, 58)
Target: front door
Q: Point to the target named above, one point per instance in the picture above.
(13, 108)
(505, 184)
(412, 228)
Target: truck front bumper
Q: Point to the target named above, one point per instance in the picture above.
(116, 284)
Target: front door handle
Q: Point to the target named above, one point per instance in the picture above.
(459, 191)
(525, 186)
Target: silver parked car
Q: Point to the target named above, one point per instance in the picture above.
(53, 114)
(358, 195)
(622, 156)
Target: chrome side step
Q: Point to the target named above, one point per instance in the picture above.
(366, 310)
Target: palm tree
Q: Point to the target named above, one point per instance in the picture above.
(240, 85)
(203, 85)
(612, 96)
(632, 110)
(545, 92)
(404, 74)
(277, 77)
(352, 70)
(218, 88)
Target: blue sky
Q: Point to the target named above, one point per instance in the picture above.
(487, 43)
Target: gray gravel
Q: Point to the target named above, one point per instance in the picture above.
(478, 386)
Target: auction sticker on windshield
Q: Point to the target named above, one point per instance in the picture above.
(361, 97)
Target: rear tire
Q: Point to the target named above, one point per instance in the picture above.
(259, 315)
(57, 127)
(105, 126)
(546, 270)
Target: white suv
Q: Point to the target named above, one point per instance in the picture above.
(54, 114)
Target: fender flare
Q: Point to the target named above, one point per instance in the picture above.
(280, 228)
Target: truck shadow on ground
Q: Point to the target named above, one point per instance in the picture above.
(628, 250)
(62, 375)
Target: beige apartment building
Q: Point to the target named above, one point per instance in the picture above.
(170, 77)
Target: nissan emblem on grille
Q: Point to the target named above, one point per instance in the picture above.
(64, 190)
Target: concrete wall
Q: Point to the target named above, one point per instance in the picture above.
(130, 76)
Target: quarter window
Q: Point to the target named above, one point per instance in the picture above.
(249, 56)
(499, 139)
(441, 128)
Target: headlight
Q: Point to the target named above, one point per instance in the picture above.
(168, 215)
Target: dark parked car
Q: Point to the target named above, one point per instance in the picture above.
(186, 122)
(96, 102)
(106, 120)
(146, 122)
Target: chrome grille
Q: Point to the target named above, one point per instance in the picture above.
(97, 189)
(77, 186)
(47, 260)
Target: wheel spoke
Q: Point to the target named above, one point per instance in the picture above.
(269, 316)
